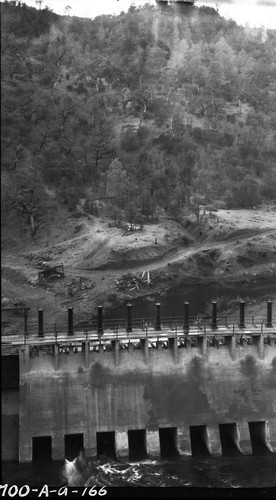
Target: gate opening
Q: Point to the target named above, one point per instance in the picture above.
(258, 436)
(42, 449)
(106, 444)
(199, 440)
(229, 439)
(10, 372)
(73, 445)
(168, 442)
(137, 444)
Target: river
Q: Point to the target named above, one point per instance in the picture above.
(183, 474)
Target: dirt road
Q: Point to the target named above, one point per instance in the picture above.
(179, 255)
(235, 244)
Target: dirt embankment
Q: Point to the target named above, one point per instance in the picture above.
(237, 245)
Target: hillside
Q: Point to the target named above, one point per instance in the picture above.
(101, 264)
(159, 118)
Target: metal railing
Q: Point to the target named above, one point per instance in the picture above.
(144, 326)
(140, 328)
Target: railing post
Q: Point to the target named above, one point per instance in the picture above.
(158, 318)
(40, 322)
(129, 322)
(100, 320)
(214, 315)
(56, 332)
(186, 317)
(175, 348)
(269, 314)
(56, 357)
(242, 325)
(198, 323)
(70, 321)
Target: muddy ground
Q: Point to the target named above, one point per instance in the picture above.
(110, 265)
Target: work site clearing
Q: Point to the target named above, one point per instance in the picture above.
(108, 265)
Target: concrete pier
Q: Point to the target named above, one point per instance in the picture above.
(58, 450)
(90, 443)
(121, 444)
(271, 432)
(153, 444)
(202, 342)
(244, 437)
(145, 348)
(184, 441)
(116, 346)
(214, 439)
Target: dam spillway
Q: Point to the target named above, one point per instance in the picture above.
(174, 385)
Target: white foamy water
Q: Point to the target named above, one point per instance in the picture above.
(219, 472)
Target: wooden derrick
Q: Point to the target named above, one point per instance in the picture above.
(50, 272)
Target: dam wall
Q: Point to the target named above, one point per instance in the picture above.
(10, 407)
(203, 394)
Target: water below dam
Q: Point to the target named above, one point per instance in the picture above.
(184, 472)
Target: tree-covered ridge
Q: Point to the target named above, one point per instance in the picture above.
(158, 108)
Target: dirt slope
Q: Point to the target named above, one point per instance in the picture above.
(227, 244)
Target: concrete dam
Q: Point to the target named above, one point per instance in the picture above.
(137, 387)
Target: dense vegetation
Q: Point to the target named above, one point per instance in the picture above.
(157, 108)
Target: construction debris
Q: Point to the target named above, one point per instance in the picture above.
(132, 282)
(78, 284)
(130, 228)
(127, 227)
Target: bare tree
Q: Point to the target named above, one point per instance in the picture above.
(195, 207)
(67, 9)
(39, 2)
